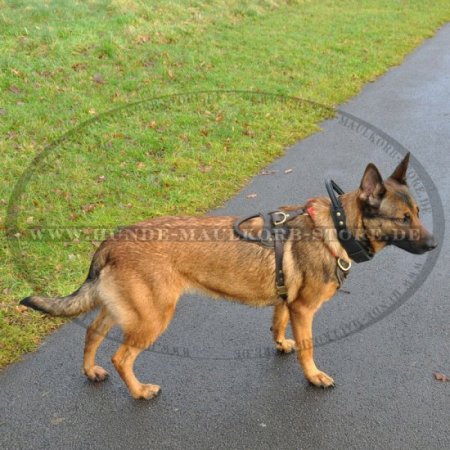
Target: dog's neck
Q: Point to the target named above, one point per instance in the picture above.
(321, 215)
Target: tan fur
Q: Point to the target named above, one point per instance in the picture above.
(137, 280)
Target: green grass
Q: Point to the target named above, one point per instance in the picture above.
(63, 62)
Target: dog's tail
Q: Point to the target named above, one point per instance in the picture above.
(82, 300)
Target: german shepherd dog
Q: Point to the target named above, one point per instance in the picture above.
(136, 282)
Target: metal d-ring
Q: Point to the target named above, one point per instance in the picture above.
(344, 265)
(282, 220)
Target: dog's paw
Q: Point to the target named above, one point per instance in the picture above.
(286, 346)
(147, 391)
(96, 373)
(321, 379)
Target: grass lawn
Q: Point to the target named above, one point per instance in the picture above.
(64, 62)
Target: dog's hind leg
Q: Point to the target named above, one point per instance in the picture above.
(95, 334)
(139, 334)
(280, 322)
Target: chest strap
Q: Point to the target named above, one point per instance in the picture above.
(274, 233)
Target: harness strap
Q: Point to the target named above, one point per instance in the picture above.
(274, 233)
(342, 266)
(279, 237)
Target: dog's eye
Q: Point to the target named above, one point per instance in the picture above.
(407, 218)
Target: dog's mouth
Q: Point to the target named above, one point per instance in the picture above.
(417, 247)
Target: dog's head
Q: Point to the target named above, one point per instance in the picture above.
(389, 212)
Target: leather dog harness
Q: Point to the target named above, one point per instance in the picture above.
(276, 231)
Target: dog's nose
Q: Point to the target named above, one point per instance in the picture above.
(430, 243)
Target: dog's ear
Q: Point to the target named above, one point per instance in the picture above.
(372, 188)
(399, 174)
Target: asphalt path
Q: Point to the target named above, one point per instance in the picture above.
(223, 386)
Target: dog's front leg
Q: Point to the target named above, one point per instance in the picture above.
(279, 324)
(301, 321)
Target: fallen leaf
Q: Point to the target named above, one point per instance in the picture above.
(248, 132)
(92, 111)
(57, 420)
(170, 74)
(21, 309)
(30, 219)
(151, 124)
(142, 39)
(71, 257)
(148, 63)
(11, 134)
(78, 66)
(219, 118)
(89, 207)
(205, 169)
(45, 74)
(252, 195)
(441, 377)
(140, 165)
(101, 179)
(14, 89)
(15, 72)
(288, 171)
(268, 172)
(98, 78)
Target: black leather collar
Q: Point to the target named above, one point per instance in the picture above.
(355, 249)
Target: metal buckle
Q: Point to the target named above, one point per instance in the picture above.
(282, 220)
(282, 291)
(344, 265)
